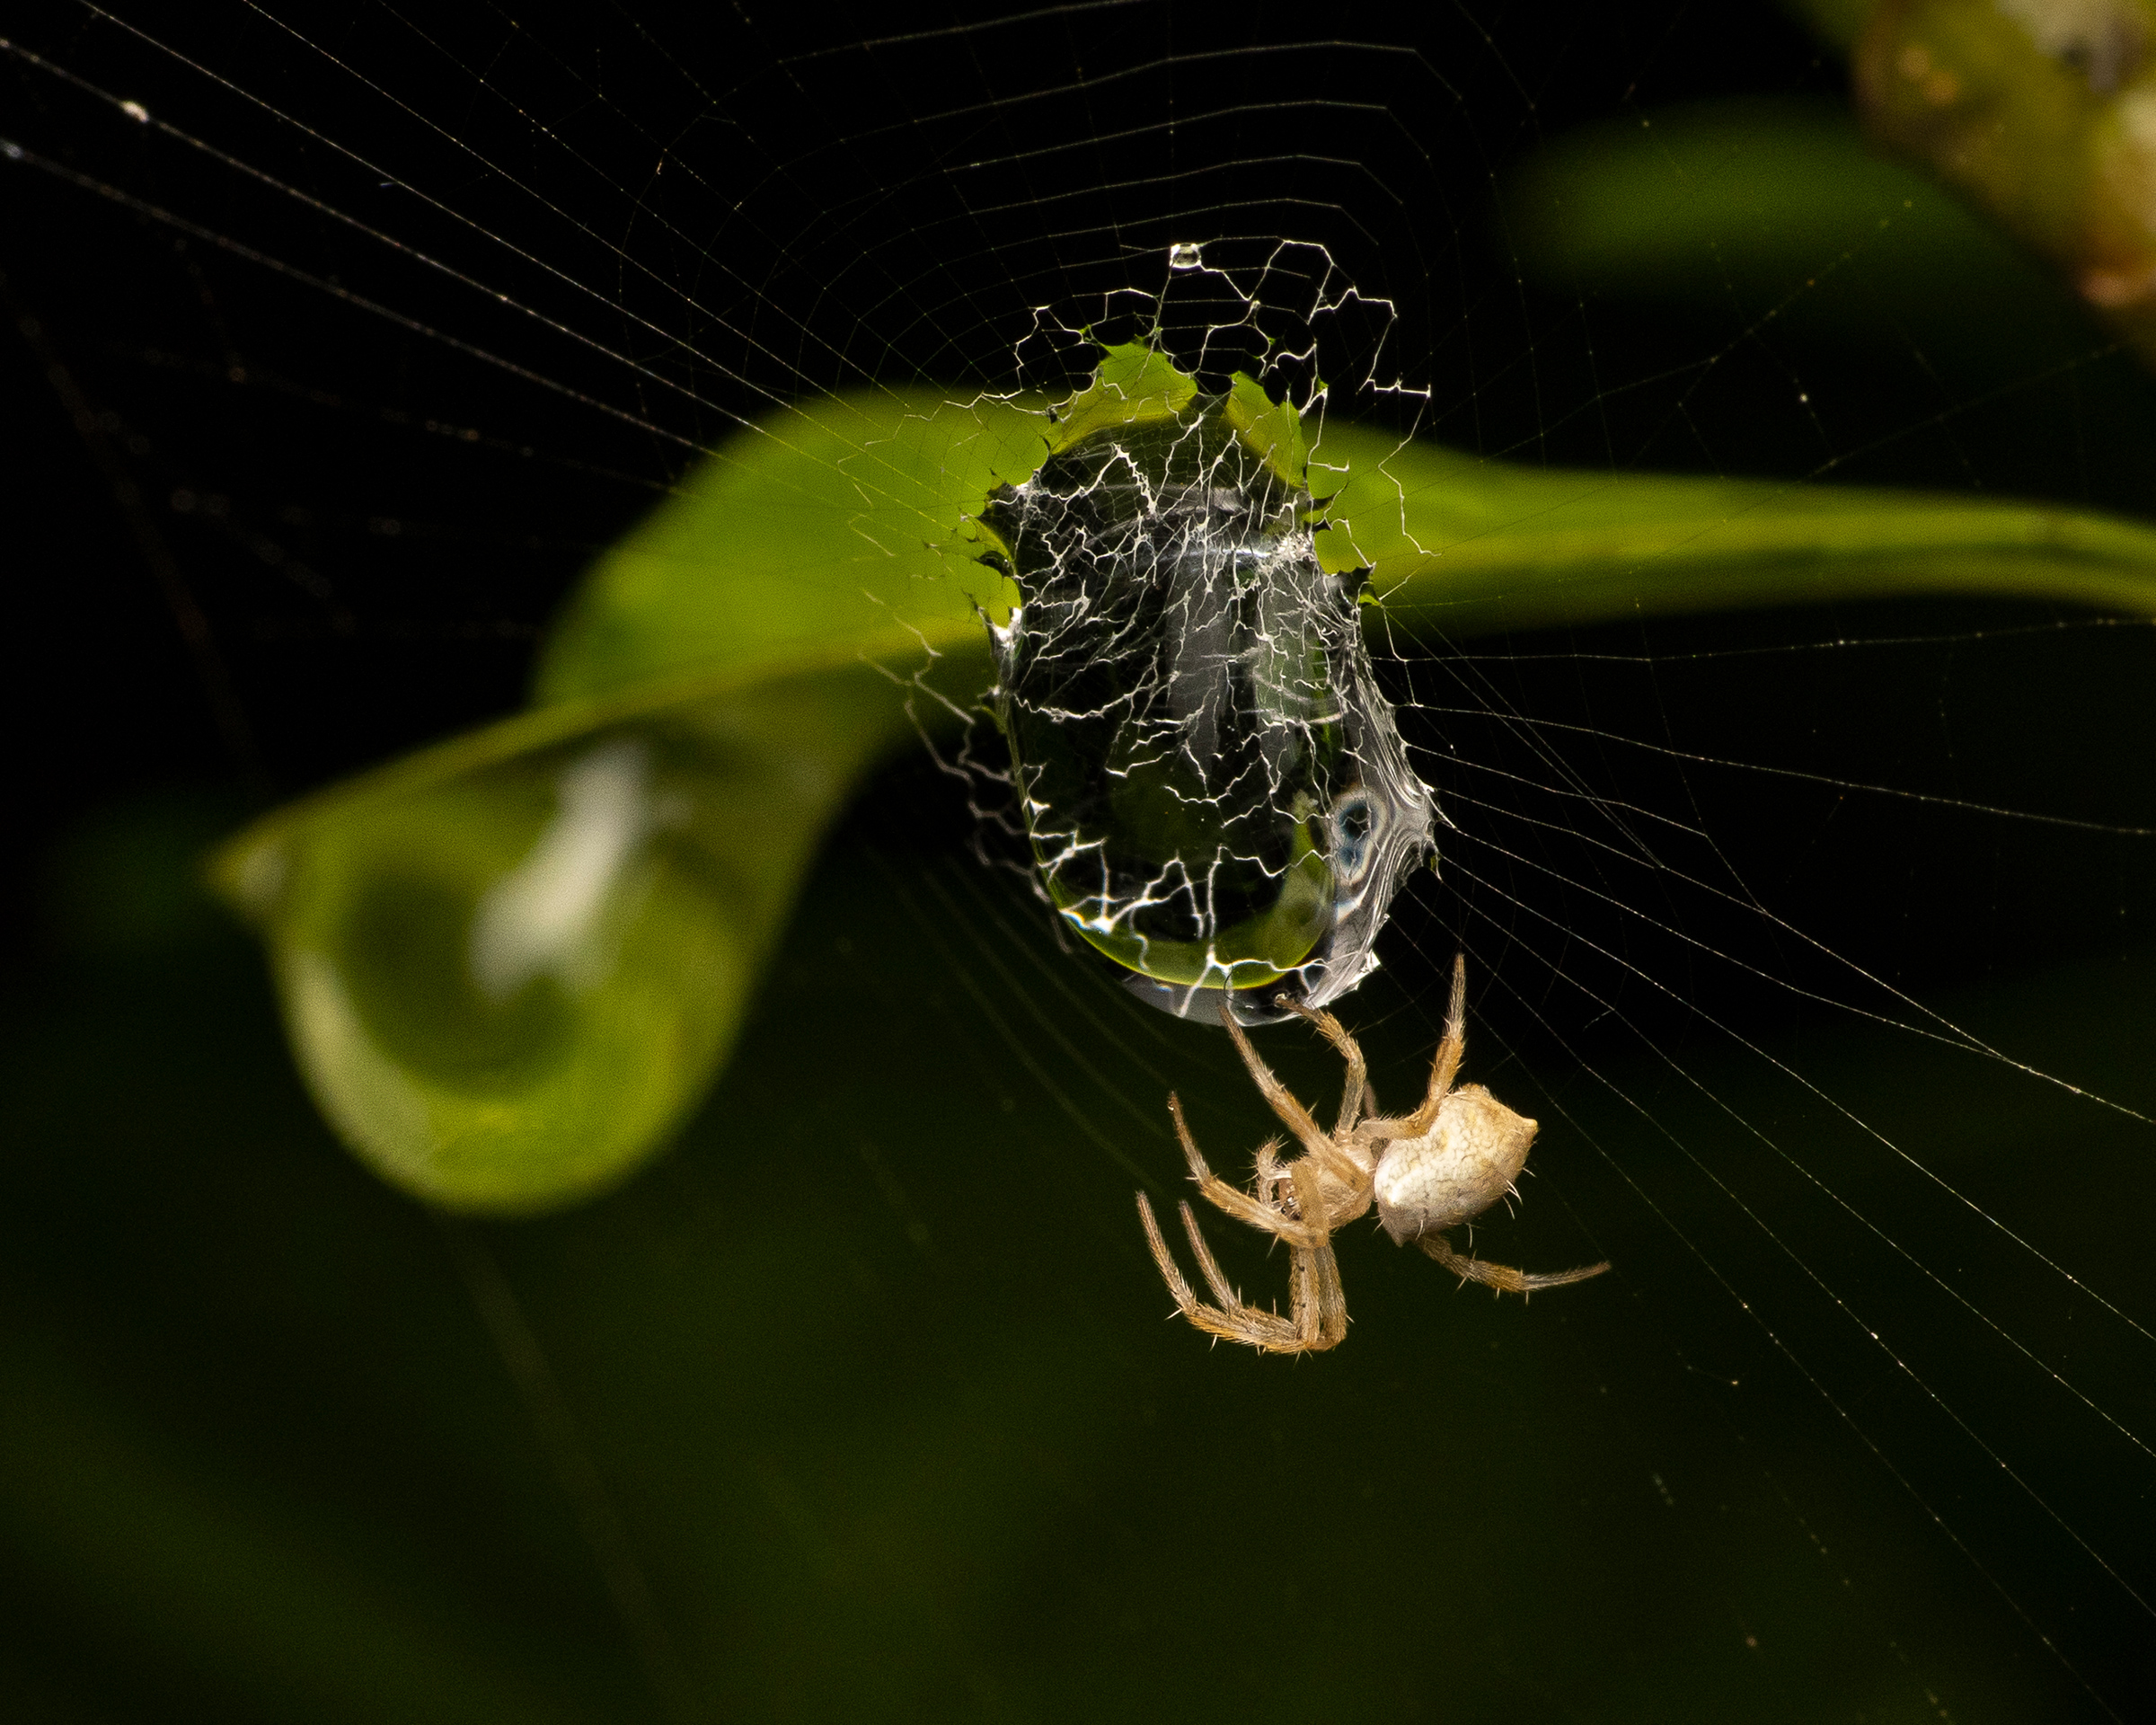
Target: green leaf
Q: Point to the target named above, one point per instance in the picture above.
(1458, 546)
(2022, 139)
(1764, 208)
(844, 520)
(511, 964)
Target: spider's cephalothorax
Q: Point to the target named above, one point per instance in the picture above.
(1214, 790)
(1444, 1165)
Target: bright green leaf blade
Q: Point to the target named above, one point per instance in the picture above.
(1458, 546)
(512, 963)
(847, 518)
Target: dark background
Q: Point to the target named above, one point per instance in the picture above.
(857, 1404)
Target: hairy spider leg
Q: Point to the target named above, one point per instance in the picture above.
(1355, 1096)
(1308, 1231)
(1314, 1294)
(1329, 1154)
(1502, 1279)
(1446, 1067)
(1231, 1320)
(1316, 1298)
(1321, 1314)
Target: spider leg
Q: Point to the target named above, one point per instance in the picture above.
(1241, 1205)
(1341, 1157)
(1312, 1272)
(1169, 1273)
(1341, 1162)
(1502, 1279)
(1446, 1067)
(1357, 1087)
(1231, 1320)
(1207, 1264)
(1293, 1114)
(1320, 1306)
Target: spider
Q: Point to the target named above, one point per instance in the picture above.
(1427, 1172)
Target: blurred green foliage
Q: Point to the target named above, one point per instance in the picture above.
(2037, 112)
(1779, 205)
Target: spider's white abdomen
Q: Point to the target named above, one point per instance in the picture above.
(1465, 1163)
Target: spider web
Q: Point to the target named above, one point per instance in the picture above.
(1812, 936)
